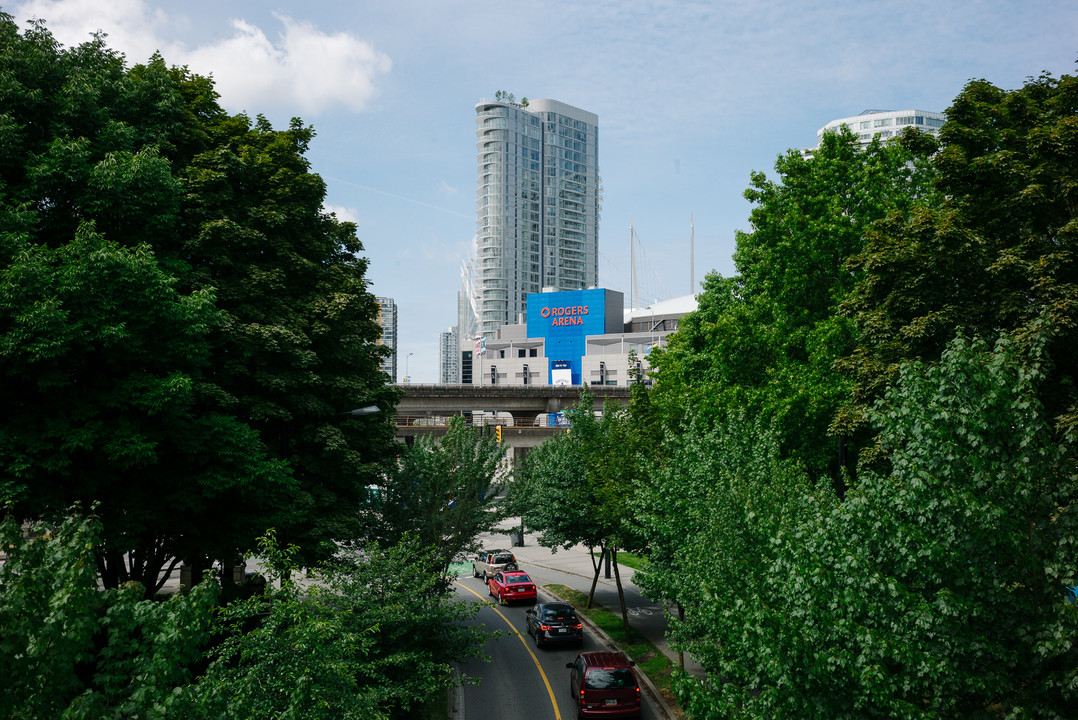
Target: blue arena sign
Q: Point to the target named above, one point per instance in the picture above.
(565, 320)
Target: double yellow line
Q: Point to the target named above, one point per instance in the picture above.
(524, 642)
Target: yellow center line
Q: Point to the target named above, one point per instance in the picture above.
(524, 642)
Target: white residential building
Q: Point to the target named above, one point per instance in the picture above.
(538, 202)
(885, 124)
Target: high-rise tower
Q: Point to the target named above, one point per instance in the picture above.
(538, 203)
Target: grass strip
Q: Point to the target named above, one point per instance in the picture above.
(628, 559)
(649, 659)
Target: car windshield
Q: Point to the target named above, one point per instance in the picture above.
(500, 559)
(559, 614)
(609, 679)
(517, 579)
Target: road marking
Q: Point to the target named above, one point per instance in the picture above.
(524, 642)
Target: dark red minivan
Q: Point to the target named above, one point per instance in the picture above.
(604, 685)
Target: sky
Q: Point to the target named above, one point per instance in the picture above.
(692, 98)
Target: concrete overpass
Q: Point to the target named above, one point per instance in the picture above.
(523, 401)
(424, 409)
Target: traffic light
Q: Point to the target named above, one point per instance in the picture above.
(498, 433)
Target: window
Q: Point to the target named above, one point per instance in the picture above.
(533, 352)
(493, 375)
(520, 352)
(525, 374)
(883, 122)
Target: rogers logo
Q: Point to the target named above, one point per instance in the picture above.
(564, 311)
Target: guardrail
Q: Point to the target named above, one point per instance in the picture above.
(441, 421)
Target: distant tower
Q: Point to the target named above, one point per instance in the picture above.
(885, 123)
(449, 357)
(387, 320)
(538, 204)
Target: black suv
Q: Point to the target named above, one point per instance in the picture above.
(555, 623)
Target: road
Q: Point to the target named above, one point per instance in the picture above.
(520, 681)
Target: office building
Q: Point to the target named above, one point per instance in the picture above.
(538, 203)
(449, 357)
(387, 320)
(885, 124)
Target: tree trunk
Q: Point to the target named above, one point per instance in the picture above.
(596, 565)
(621, 592)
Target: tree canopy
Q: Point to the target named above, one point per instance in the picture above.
(443, 493)
(180, 320)
(926, 311)
(766, 340)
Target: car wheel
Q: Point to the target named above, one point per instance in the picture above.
(475, 573)
(500, 599)
(538, 639)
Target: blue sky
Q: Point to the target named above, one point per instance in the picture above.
(691, 96)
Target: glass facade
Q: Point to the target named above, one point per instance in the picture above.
(538, 202)
(387, 320)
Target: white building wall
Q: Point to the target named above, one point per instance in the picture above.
(885, 123)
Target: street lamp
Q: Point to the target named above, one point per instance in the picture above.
(653, 325)
(406, 379)
(368, 410)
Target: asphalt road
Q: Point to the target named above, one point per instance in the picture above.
(521, 681)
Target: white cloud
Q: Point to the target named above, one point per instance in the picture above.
(303, 71)
(132, 26)
(307, 70)
(343, 214)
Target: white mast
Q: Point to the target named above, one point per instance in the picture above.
(632, 261)
(692, 249)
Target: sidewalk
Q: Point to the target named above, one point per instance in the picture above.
(575, 570)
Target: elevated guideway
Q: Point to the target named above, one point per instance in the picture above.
(426, 409)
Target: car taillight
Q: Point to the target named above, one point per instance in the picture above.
(545, 628)
(578, 626)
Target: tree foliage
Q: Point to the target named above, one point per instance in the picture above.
(767, 339)
(372, 636)
(70, 650)
(997, 255)
(934, 590)
(443, 493)
(576, 488)
(180, 321)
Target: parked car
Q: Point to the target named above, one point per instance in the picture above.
(555, 623)
(604, 685)
(489, 562)
(511, 586)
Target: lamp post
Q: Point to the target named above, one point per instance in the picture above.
(406, 378)
(368, 410)
(651, 331)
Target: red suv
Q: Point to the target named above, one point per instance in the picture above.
(604, 685)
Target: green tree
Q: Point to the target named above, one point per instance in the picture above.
(997, 255)
(372, 637)
(710, 513)
(444, 493)
(180, 322)
(575, 488)
(70, 650)
(767, 339)
(937, 588)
